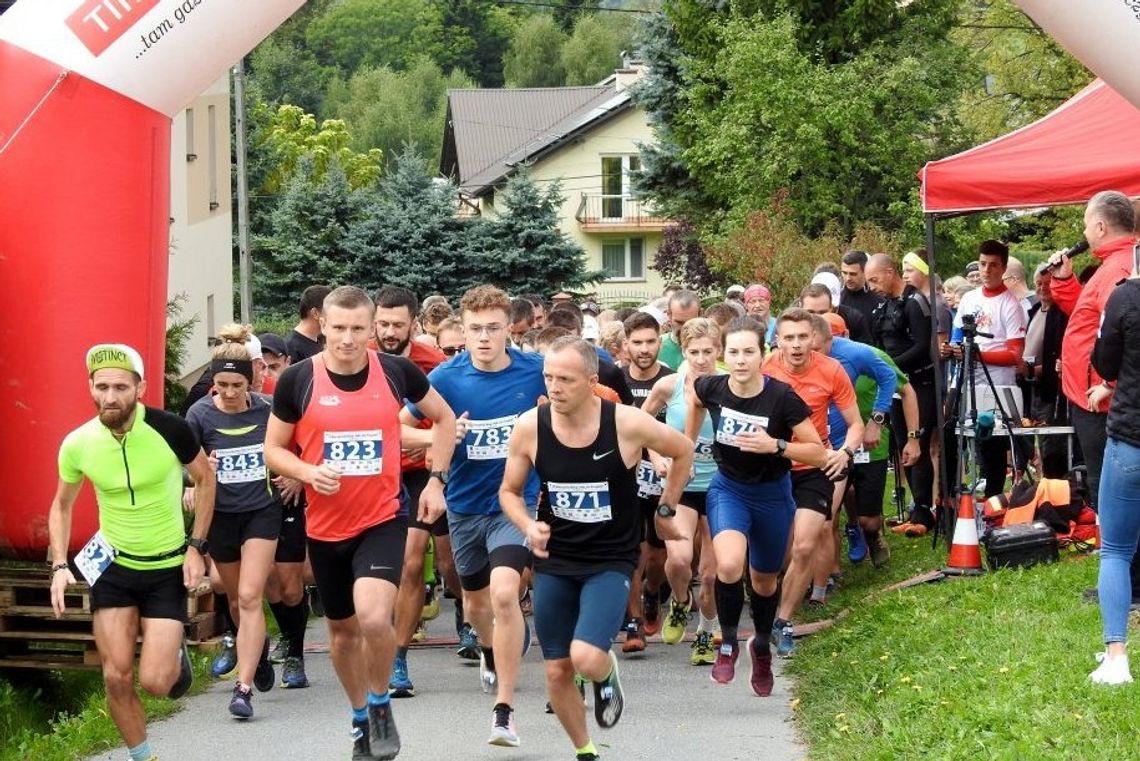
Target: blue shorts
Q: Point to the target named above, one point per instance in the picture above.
(482, 542)
(589, 608)
(763, 512)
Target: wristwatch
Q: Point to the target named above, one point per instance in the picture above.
(666, 510)
(914, 434)
(850, 453)
(441, 475)
(202, 545)
(781, 447)
(879, 418)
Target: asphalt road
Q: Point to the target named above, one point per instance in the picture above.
(673, 711)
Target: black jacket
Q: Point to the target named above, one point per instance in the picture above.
(864, 301)
(901, 327)
(1116, 356)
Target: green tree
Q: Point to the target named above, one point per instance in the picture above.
(287, 72)
(290, 134)
(472, 36)
(314, 217)
(384, 109)
(595, 47)
(534, 56)
(355, 33)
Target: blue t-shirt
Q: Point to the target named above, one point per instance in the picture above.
(493, 402)
(859, 359)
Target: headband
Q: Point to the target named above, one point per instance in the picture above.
(239, 366)
(757, 291)
(917, 262)
(114, 357)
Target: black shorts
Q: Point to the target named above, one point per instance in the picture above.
(414, 482)
(157, 594)
(375, 553)
(695, 500)
(812, 490)
(648, 506)
(228, 531)
(869, 482)
(291, 541)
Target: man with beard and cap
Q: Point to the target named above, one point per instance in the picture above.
(137, 563)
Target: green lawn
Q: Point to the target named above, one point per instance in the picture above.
(992, 667)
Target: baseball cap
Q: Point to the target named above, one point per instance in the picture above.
(591, 307)
(734, 290)
(590, 329)
(829, 281)
(972, 267)
(837, 323)
(114, 357)
(655, 313)
(274, 344)
(253, 345)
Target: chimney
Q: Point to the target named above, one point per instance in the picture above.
(632, 69)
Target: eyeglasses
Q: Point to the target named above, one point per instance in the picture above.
(493, 329)
(451, 351)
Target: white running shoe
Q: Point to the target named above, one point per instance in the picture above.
(1112, 670)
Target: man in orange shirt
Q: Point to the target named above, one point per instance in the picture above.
(818, 380)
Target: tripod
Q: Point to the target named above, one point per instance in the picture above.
(964, 403)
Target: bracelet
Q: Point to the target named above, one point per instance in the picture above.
(59, 567)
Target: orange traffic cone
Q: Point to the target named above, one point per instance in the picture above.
(965, 555)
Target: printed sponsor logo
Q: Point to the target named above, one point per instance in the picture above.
(99, 23)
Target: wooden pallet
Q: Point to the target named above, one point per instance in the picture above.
(32, 637)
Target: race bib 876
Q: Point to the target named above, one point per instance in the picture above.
(580, 502)
(356, 453)
(733, 423)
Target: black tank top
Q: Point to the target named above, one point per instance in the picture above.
(589, 498)
(641, 388)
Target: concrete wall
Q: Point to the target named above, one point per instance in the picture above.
(200, 208)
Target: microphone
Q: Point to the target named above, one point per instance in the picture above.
(1074, 250)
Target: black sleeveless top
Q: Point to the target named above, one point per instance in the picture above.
(589, 498)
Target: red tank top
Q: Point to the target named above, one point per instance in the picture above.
(360, 432)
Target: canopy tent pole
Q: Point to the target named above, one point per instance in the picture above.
(945, 479)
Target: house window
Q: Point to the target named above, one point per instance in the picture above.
(616, 184)
(624, 259)
(212, 126)
(190, 154)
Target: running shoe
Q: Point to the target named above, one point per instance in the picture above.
(587, 757)
(651, 606)
(1111, 670)
(360, 748)
(185, 674)
(431, 604)
(383, 739)
(880, 551)
(226, 660)
(724, 668)
(704, 653)
(420, 634)
(265, 676)
(400, 685)
(241, 704)
(609, 700)
(856, 543)
(785, 640)
(316, 604)
(487, 677)
(503, 732)
(675, 623)
(634, 639)
(293, 674)
(468, 644)
(280, 650)
(526, 603)
(762, 679)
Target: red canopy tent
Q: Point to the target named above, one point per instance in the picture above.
(1085, 146)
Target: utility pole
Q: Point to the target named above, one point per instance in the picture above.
(245, 263)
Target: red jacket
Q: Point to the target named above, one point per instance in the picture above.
(1085, 307)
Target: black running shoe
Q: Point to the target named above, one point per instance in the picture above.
(265, 676)
(185, 674)
(360, 748)
(241, 705)
(383, 739)
(609, 701)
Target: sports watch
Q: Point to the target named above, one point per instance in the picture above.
(781, 447)
(666, 510)
(914, 434)
(202, 545)
(878, 418)
(439, 474)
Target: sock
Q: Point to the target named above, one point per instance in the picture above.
(378, 700)
(708, 625)
(818, 593)
(360, 714)
(222, 603)
(140, 752)
(763, 615)
(729, 604)
(401, 652)
(489, 658)
(587, 748)
(296, 619)
(280, 616)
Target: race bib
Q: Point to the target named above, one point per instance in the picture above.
(648, 482)
(733, 423)
(862, 456)
(355, 453)
(95, 557)
(489, 439)
(702, 452)
(241, 465)
(580, 502)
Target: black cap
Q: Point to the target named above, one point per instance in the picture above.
(273, 343)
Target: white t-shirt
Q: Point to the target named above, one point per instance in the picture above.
(1003, 317)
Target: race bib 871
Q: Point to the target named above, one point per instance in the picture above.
(356, 453)
(580, 502)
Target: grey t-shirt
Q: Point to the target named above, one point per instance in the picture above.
(237, 440)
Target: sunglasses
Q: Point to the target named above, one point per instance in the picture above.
(451, 351)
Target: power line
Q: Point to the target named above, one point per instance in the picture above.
(566, 7)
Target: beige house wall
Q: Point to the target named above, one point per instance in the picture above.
(201, 265)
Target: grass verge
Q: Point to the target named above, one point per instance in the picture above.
(993, 667)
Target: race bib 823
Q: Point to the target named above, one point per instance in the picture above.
(356, 453)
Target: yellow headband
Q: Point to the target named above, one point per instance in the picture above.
(917, 262)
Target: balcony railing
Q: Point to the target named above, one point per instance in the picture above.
(602, 211)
